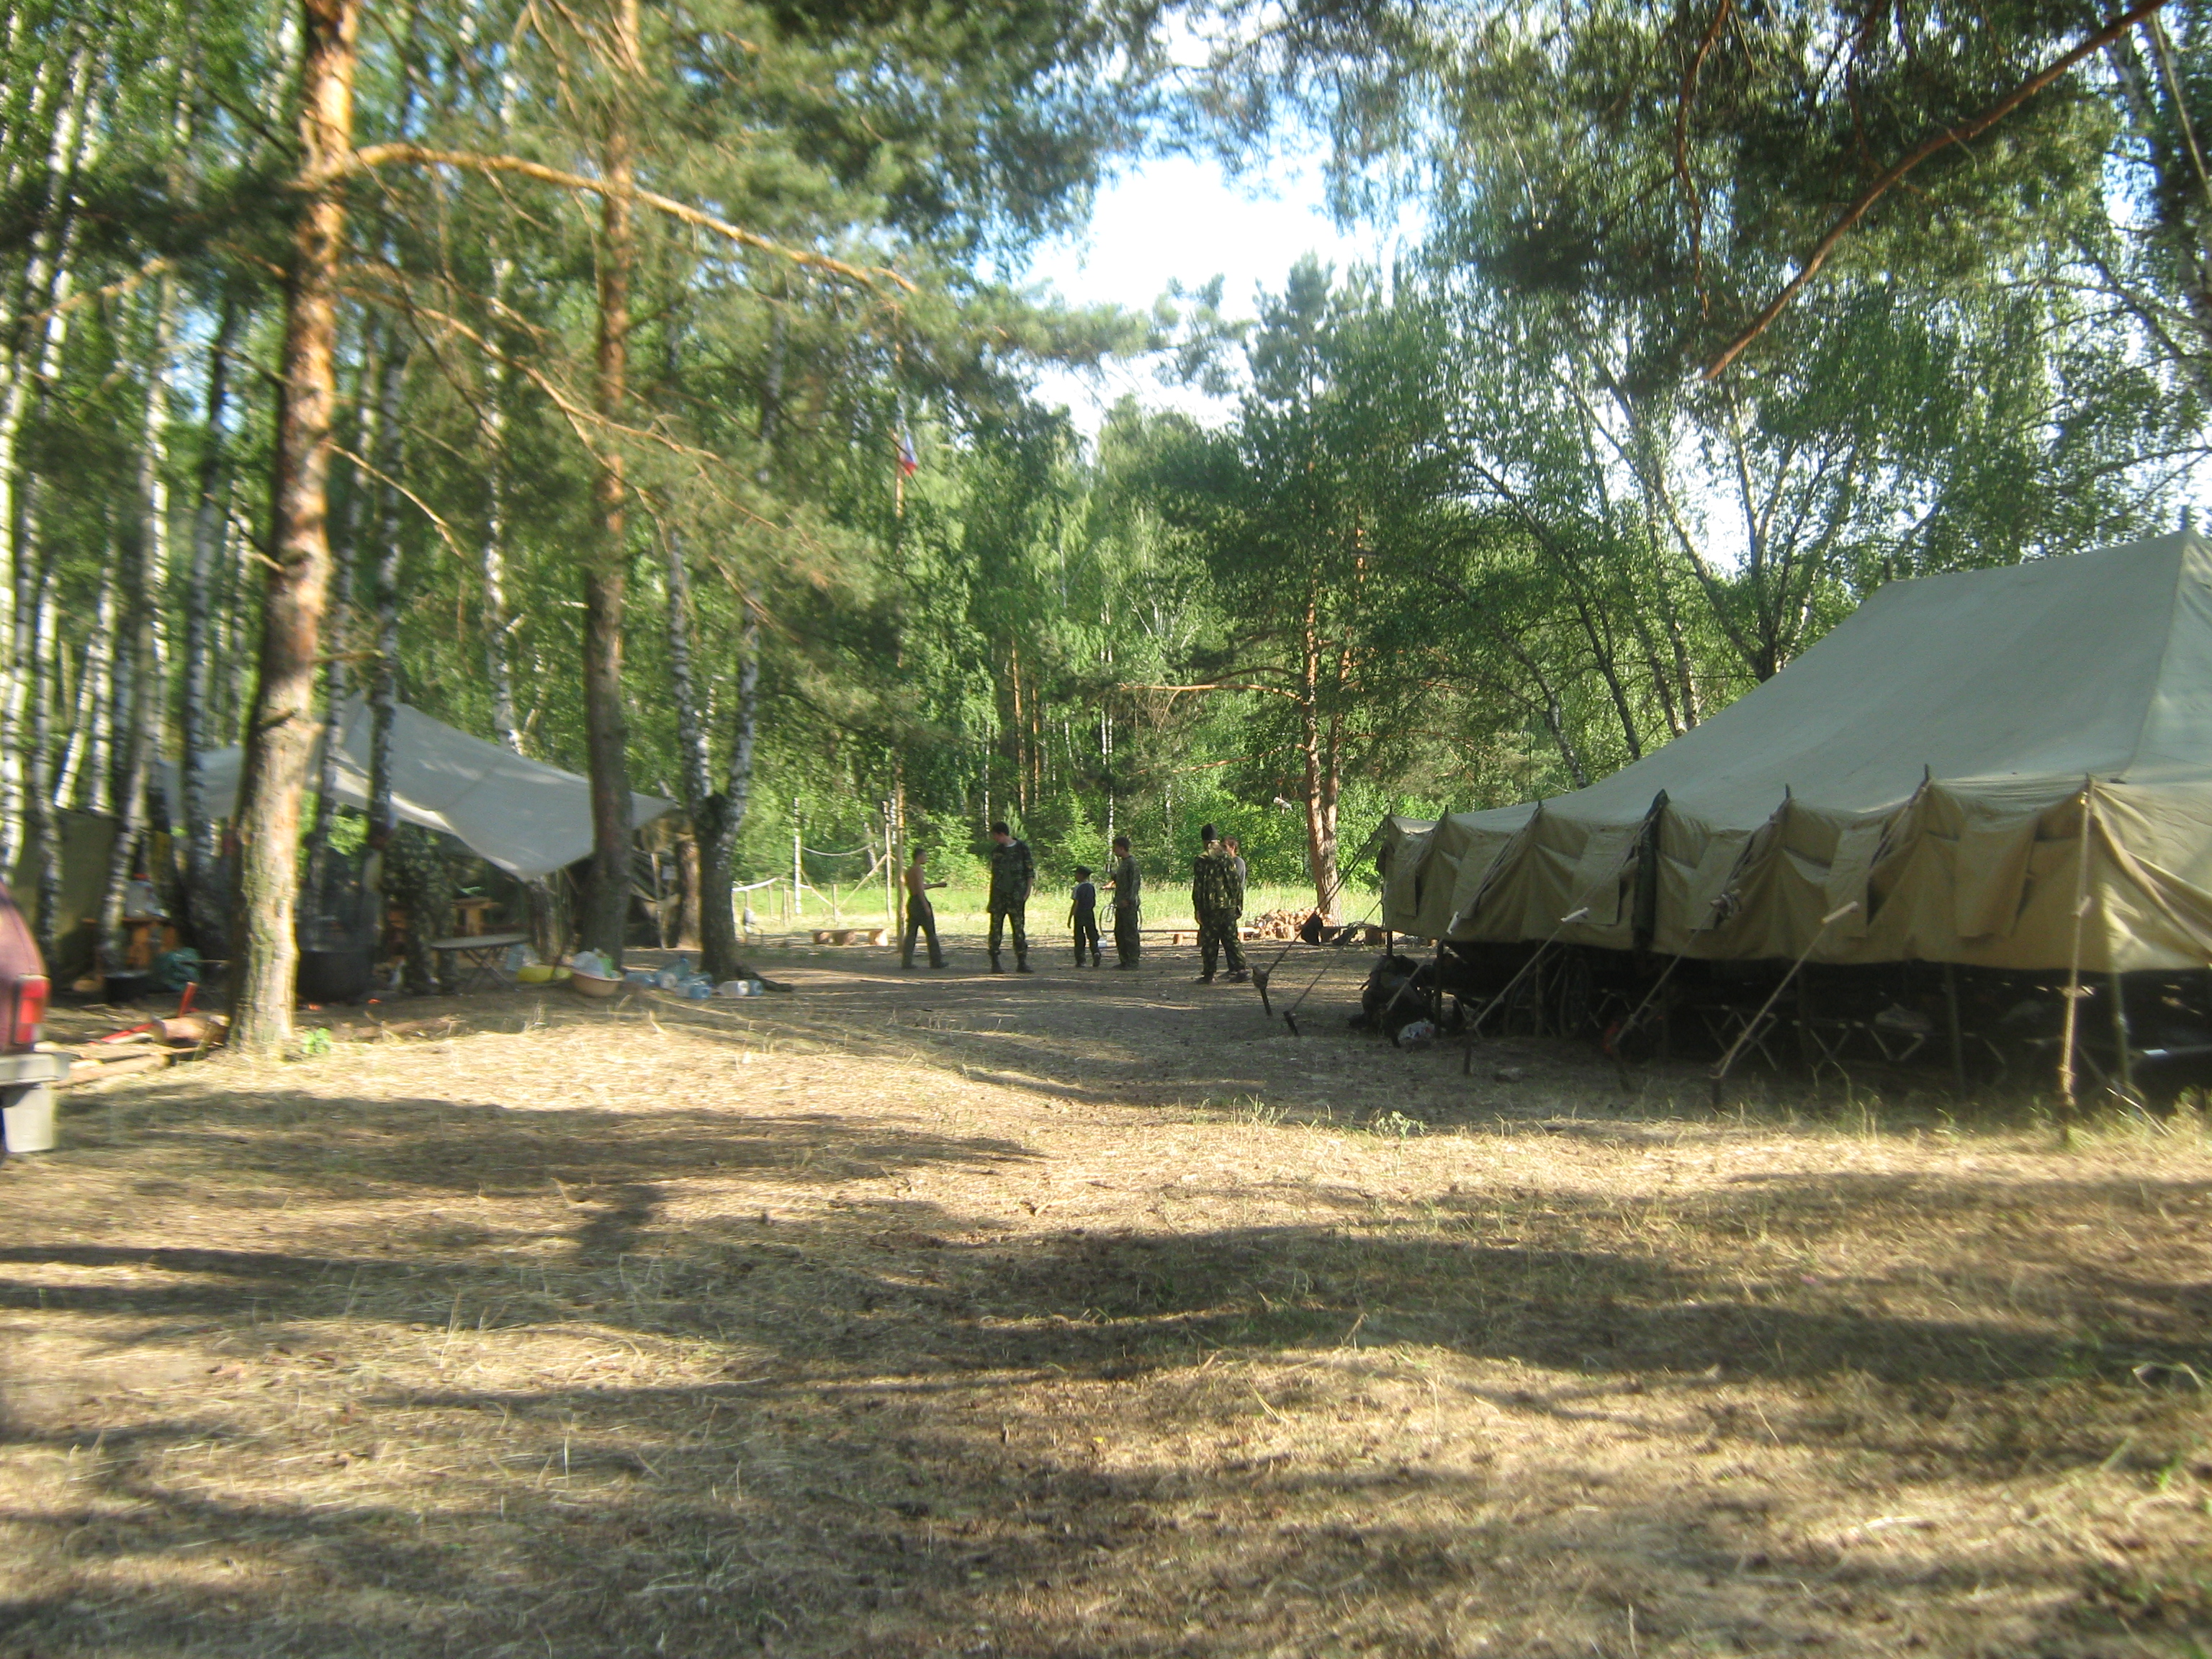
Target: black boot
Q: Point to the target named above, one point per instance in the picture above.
(1022, 965)
(996, 967)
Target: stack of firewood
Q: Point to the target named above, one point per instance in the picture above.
(144, 1049)
(1275, 924)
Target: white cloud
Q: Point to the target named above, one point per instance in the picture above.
(1177, 219)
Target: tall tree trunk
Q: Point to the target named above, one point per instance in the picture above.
(207, 907)
(31, 697)
(497, 624)
(280, 732)
(383, 683)
(81, 766)
(498, 389)
(136, 738)
(606, 899)
(345, 584)
(717, 806)
(44, 825)
(44, 284)
(1320, 800)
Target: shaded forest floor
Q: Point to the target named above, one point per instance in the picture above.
(1086, 1314)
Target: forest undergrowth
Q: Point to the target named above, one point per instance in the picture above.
(1086, 1314)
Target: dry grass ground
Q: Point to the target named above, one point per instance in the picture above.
(1089, 1314)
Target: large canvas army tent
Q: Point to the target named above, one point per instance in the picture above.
(523, 816)
(1928, 769)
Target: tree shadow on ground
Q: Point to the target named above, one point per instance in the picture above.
(945, 1438)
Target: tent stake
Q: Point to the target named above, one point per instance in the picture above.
(1343, 937)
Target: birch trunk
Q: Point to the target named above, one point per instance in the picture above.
(383, 685)
(136, 738)
(85, 762)
(135, 742)
(717, 806)
(497, 624)
(281, 731)
(46, 284)
(499, 387)
(207, 906)
(45, 821)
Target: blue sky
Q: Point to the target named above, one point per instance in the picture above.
(1179, 219)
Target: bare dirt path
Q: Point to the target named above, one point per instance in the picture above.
(1084, 1314)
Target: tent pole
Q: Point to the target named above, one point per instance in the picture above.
(2121, 1040)
(2067, 1103)
(1958, 1038)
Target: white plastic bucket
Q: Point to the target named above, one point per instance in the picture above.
(29, 1119)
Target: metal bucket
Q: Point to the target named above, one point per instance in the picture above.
(27, 1117)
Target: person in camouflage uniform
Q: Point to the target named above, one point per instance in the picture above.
(1013, 872)
(1216, 895)
(416, 878)
(1128, 885)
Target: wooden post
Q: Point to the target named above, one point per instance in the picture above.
(2121, 1039)
(1958, 1037)
(2067, 1105)
(889, 874)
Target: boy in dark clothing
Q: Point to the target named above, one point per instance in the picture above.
(1084, 913)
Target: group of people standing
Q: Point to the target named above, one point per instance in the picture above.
(1216, 896)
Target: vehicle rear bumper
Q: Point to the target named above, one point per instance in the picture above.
(18, 1069)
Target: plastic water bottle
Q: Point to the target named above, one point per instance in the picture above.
(734, 987)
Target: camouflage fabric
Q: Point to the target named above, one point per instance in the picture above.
(1217, 936)
(1128, 882)
(1003, 915)
(1013, 872)
(1213, 883)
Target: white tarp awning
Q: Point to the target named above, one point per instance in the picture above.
(523, 816)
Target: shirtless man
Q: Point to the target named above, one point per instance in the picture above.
(920, 915)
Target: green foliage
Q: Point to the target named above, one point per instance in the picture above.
(1475, 531)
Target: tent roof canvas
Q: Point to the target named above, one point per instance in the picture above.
(523, 816)
(1979, 704)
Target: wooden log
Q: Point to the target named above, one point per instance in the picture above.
(101, 1053)
(86, 1071)
(192, 1029)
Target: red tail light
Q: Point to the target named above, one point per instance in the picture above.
(30, 1010)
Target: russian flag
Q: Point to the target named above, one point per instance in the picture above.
(907, 465)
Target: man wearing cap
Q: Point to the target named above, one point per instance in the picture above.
(1217, 898)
